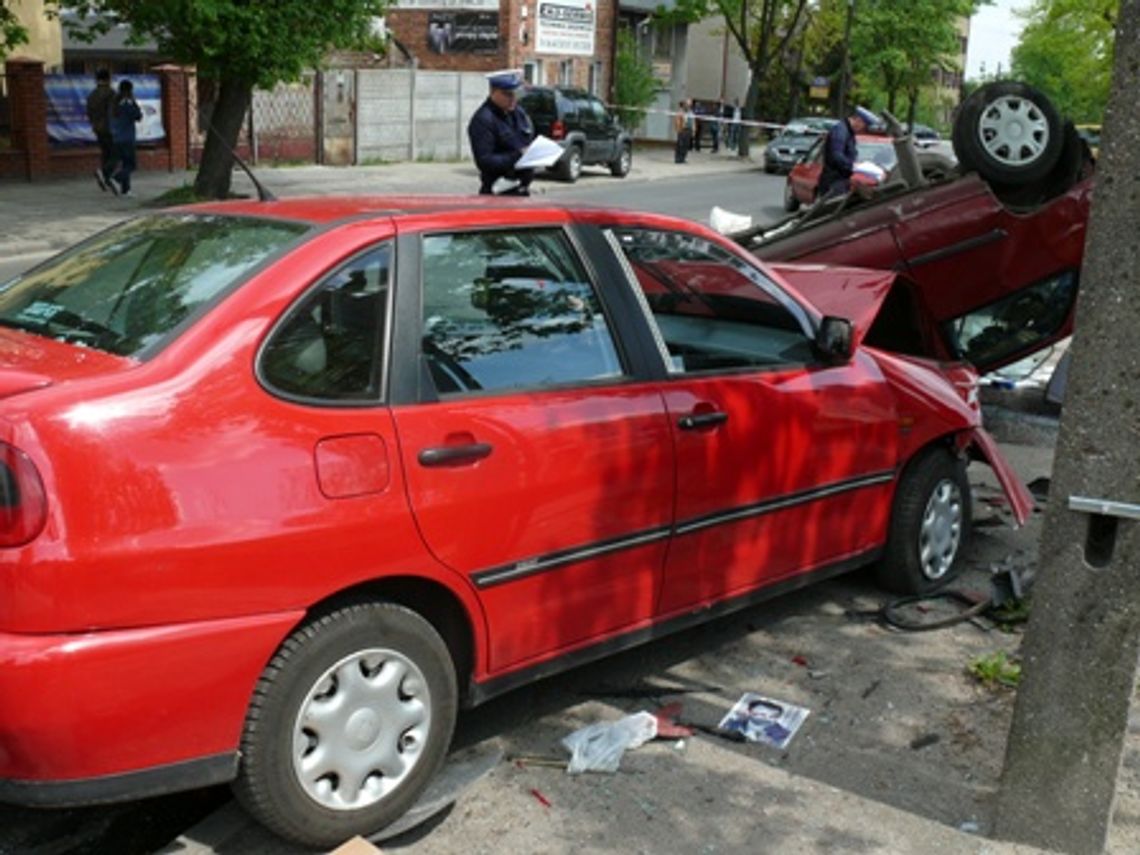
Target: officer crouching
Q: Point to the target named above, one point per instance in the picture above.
(499, 132)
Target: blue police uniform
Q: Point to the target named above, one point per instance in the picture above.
(498, 138)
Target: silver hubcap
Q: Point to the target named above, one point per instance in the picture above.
(361, 729)
(575, 164)
(941, 531)
(625, 160)
(1013, 131)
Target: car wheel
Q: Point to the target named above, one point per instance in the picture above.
(570, 167)
(930, 524)
(620, 167)
(348, 724)
(1061, 177)
(791, 203)
(1008, 132)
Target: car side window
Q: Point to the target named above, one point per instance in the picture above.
(509, 310)
(713, 310)
(598, 109)
(330, 346)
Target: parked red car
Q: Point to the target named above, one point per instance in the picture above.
(285, 483)
(875, 158)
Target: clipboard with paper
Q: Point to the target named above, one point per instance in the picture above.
(541, 153)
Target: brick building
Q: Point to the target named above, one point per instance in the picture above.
(564, 42)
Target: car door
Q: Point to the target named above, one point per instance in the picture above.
(607, 131)
(592, 128)
(804, 176)
(538, 466)
(784, 464)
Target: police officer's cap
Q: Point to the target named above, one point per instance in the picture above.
(866, 115)
(508, 79)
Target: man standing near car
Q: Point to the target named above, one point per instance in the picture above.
(839, 152)
(499, 131)
(100, 101)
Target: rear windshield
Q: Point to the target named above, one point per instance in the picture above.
(126, 290)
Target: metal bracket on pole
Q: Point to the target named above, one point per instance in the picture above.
(1104, 507)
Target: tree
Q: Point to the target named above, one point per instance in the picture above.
(12, 32)
(239, 45)
(898, 44)
(760, 28)
(1066, 51)
(1081, 645)
(635, 87)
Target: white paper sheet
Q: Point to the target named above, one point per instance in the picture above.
(542, 152)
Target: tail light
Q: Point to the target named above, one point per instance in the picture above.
(23, 502)
(558, 130)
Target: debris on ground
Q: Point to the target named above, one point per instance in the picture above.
(761, 719)
(599, 747)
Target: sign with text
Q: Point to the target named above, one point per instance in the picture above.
(67, 106)
(463, 32)
(565, 27)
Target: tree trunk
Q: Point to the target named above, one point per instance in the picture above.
(216, 169)
(912, 109)
(1080, 649)
(751, 111)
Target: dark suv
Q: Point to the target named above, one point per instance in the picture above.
(588, 132)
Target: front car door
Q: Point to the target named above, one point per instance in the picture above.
(785, 465)
(539, 467)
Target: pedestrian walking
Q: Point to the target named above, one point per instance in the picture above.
(839, 152)
(124, 115)
(683, 127)
(100, 101)
(732, 113)
(499, 132)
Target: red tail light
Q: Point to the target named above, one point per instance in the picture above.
(23, 503)
(557, 130)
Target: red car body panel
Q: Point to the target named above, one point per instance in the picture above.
(195, 518)
(845, 292)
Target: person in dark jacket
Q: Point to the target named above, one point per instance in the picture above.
(124, 115)
(100, 100)
(499, 131)
(839, 152)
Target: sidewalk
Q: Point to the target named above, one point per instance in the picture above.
(42, 217)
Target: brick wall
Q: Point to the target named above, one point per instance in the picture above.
(410, 26)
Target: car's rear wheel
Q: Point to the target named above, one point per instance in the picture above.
(930, 524)
(1064, 174)
(624, 162)
(570, 166)
(791, 203)
(348, 724)
(1008, 132)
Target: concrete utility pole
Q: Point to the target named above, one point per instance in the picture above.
(1081, 646)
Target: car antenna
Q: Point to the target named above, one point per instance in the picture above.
(263, 194)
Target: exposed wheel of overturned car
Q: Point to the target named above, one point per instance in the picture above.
(930, 522)
(349, 722)
(1009, 133)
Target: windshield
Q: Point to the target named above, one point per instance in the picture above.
(880, 153)
(127, 289)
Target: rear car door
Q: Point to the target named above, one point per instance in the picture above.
(784, 464)
(607, 131)
(538, 466)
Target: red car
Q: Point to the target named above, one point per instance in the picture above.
(286, 483)
(875, 158)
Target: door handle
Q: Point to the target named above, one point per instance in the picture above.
(454, 455)
(702, 420)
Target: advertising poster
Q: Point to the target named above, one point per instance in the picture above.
(67, 106)
(565, 27)
(463, 32)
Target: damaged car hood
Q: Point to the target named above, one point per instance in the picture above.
(854, 293)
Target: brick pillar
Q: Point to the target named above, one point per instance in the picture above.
(175, 113)
(29, 114)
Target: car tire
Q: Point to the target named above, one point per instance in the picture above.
(1063, 176)
(930, 524)
(621, 166)
(570, 166)
(1008, 133)
(791, 203)
(388, 666)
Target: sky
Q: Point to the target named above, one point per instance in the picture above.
(994, 31)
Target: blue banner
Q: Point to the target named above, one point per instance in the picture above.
(67, 106)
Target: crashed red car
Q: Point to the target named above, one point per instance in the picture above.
(286, 483)
(987, 252)
(874, 158)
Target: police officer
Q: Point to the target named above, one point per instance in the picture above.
(839, 152)
(499, 132)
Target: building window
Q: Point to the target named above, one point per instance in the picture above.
(566, 72)
(596, 79)
(532, 73)
(662, 42)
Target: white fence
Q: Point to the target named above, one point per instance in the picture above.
(408, 114)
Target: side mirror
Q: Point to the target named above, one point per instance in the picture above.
(835, 339)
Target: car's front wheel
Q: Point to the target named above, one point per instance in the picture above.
(348, 724)
(623, 163)
(791, 203)
(1008, 132)
(570, 166)
(930, 524)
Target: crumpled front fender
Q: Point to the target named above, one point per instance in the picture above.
(1020, 499)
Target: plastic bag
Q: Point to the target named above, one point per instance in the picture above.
(599, 747)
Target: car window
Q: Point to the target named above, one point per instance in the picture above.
(598, 109)
(816, 151)
(129, 288)
(329, 346)
(509, 310)
(880, 153)
(1014, 323)
(566, 108)
(713, 310)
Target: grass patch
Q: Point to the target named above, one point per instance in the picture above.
(995, 669)
(183, 195)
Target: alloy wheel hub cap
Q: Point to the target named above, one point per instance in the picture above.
(940, 534)
(1013, 131)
